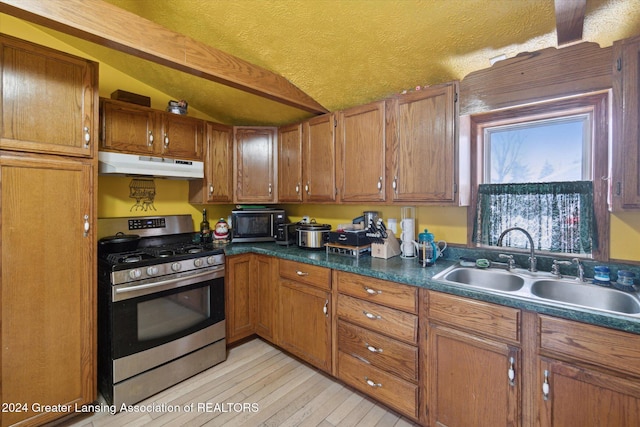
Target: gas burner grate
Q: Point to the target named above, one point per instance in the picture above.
(128, 257)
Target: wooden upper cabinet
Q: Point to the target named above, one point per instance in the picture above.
(217, 185)
(130, 128)
(255, 168)
(361, 153)
(48, 100)
(290, 163)
(422, 145)
(319, 156)
(625, 190)
(182, 137)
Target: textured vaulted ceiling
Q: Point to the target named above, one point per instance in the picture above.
(344, 53)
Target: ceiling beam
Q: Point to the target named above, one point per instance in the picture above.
(569, 20)
(116, 28)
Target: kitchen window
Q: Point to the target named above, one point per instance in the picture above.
(543, 167)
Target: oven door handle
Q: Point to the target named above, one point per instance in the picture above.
(148, 288)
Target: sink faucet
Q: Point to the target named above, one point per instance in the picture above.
(555, 268)
(580, 270)
(532, 257)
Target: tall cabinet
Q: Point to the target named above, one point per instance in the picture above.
(48, 170)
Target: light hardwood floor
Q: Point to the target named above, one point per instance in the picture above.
(268, 388)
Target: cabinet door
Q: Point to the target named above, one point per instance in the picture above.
(217, 185)
(290, 163)
(569, 395)
(305, 323)
(48, 100)
(266, 282)
(255, 168)
(422, 143)
(182, 137)
(625, 191)
(127, 128)
(47, 284)
(239, 310)
(469, 380)
(361, 142)
(319, 154)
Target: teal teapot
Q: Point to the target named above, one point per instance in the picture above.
(428, 249)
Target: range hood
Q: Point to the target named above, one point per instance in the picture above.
(159, 167)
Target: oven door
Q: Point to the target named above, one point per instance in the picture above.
(148, 315)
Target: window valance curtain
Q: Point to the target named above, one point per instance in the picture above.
(558, 215)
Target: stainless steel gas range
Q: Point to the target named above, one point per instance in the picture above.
(161, 308)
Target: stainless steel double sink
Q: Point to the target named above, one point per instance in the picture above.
(543, 286)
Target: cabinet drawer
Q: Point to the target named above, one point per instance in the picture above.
(381, 351)
(394, 392)
(391, 294)
(306, 273)
(385, 320)
(486, 318)
(605, 347)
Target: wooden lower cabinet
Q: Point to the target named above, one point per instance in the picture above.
(438, 359)
(469, 383)
(47, 285)
(239, 309)
(377, 327)
(383, 386)
(586, 375)
(305, 323)
(473, 363)
(579, 396)
(305, 313)
(266, 289)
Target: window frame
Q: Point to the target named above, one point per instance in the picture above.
(598, 105)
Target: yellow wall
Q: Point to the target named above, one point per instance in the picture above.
(172, 196)
(171, 199)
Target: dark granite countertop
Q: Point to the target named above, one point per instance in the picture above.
(408, 271)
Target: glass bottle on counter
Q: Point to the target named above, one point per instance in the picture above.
(205, 228)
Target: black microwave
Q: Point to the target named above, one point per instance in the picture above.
(256, 225)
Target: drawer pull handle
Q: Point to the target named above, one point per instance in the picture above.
(301, 273)
(512, 372)
(325, 309)
(372, 383)
(372, 291)
(545, 386)
(371, 315)
(372, 349)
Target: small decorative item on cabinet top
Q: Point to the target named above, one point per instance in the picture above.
(178, 107)
(132, 98)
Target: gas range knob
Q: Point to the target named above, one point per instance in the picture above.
(199, 262)
(135, 274)
(211, 260)
(152, 271)
(176, 266)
